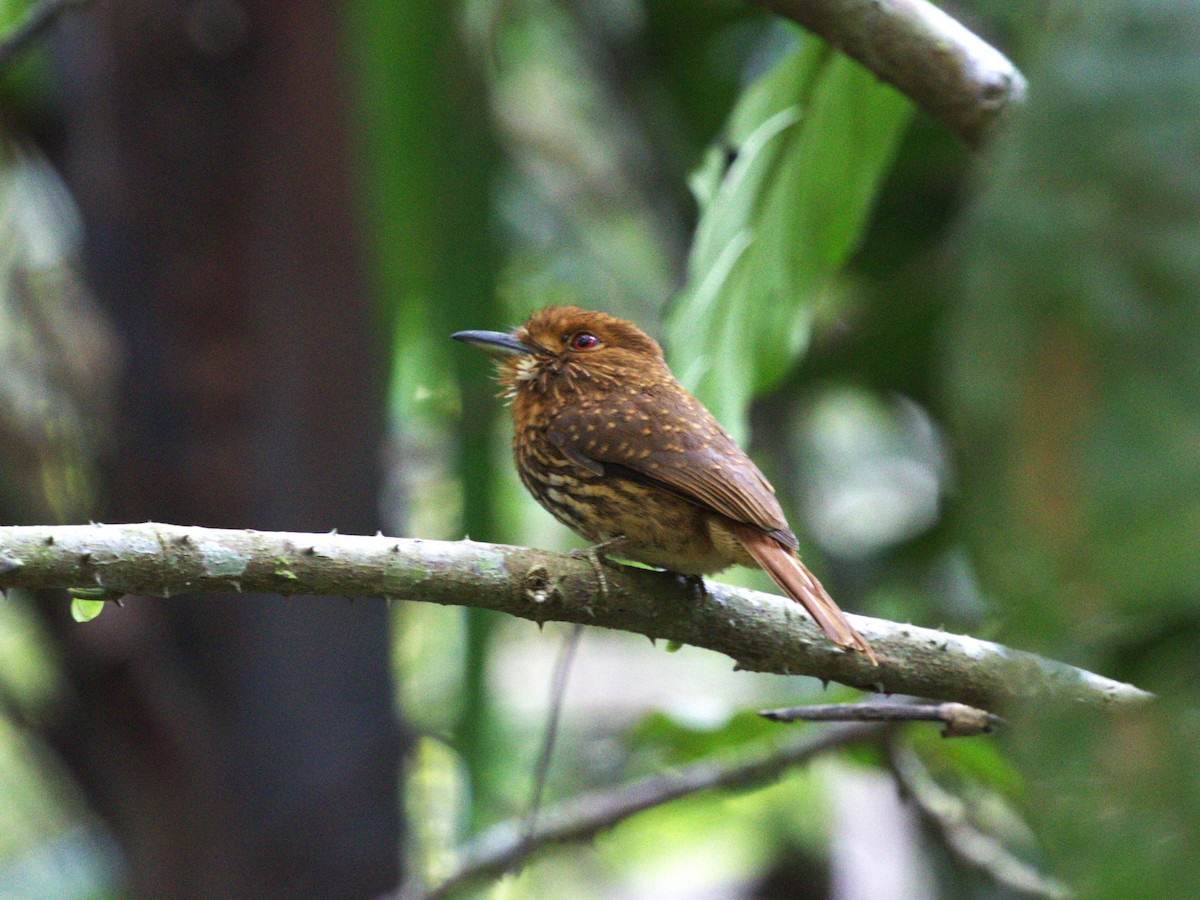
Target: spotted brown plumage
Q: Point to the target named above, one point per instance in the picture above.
(614, 447)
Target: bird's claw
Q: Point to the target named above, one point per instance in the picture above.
(597, 555)
(695, 586)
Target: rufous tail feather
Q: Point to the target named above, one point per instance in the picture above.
(801, 585)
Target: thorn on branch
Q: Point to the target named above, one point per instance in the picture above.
(101, 594)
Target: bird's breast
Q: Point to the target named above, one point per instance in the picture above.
(571, 494)
(660, 528)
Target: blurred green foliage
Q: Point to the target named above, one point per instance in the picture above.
(1074, 381)
(783, 204)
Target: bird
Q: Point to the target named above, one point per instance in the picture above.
(614, 447)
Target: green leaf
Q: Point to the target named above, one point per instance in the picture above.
(813, 140)
(83, 610)
(978, 759)
(673, 741)
(86, 603)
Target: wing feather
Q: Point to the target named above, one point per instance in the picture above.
(667, 438)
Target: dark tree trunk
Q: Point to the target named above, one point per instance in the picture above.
(237, 746)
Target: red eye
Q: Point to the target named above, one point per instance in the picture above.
(584, 340)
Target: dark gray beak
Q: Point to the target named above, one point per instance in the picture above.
(493, 343)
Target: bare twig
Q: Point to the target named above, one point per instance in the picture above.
(948, 70)
(761, 632)
(948, 814)
(960, 720)
(36, 22)
(581, 818)
(558, 690)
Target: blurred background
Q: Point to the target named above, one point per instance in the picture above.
(235, 237)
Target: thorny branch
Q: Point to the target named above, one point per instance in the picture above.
(760, 632)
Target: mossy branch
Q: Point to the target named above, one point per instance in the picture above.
(760, 632)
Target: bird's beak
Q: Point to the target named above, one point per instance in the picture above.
(494, 343)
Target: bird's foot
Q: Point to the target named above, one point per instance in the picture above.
(597, 555)
(695, 586)
(603, 550)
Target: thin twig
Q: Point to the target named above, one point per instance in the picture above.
(948, 814)
(558, 690)
(36, 22)
(581, 818)
(948, 70)
(761, 632)
(960, 720)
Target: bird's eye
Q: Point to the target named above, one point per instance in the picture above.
(584, 340)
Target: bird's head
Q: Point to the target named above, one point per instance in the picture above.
(562, 346)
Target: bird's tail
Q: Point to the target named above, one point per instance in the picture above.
(801, 585)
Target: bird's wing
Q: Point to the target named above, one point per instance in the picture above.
(667, 438)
